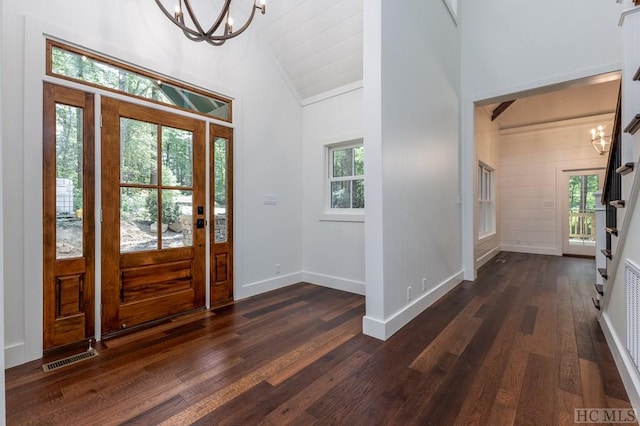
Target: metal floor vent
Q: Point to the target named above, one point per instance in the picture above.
(69, 360)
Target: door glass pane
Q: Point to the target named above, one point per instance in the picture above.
(138, 219)
(220, 190)
(69, 170)
(582, 204)
(177, 209)
(177, 157)
(139, 152)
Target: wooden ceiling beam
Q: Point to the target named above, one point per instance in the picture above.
(500, 109)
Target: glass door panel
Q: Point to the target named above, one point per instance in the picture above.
(578, 211)
(68, 219)
(69, 181)
(582, 204)
(221, 208)
(153, 187)
(220, 190)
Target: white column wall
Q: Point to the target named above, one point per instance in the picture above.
(2, 310)
(412, 126)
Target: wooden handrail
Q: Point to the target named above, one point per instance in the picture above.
(615, 137)
(633, 126)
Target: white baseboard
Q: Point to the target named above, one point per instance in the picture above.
(626, 368)
(551, 251)
(384, 329)
(14, 354)
(343, 284)
(259, 287)
(487, 257)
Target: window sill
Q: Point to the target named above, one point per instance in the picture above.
(486, 236)
(341, 217)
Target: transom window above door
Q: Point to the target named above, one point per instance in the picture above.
(89, 68)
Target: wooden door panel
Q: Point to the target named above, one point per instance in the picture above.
(69, 295)
(148, 282)
(221, 232)
(68, 279)
(221, 268)
(159, 279)
(146, 310)
(69, 329)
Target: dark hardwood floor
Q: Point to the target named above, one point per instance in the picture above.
(521, 345)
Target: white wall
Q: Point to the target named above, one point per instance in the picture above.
(268, 122)
(333, 252)
(531, 161)
(411, 132)
(2, 384)
(510, 47)
(486, 143)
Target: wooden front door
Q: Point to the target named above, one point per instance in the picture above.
(68, 222)
(221, 197)
(153, 209)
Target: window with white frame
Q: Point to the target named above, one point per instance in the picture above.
(346, 176)
(486, 201)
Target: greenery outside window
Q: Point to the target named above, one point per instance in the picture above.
(77, 65)
(346, 177)
(486, 201)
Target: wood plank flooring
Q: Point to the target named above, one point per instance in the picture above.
(521, 345)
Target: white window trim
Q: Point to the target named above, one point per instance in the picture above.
(490, 202)
(335, 214)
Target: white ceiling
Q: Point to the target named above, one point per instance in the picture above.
(582, 100)
(318, 43)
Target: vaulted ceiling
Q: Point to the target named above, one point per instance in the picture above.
(317, 43)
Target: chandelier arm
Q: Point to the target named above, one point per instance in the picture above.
(216, 24)
(202, 37)
(192, 15)
(199, 34)
(241, 30)
(178, 23)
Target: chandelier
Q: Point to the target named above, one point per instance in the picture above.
(193, 30)
(599, 141)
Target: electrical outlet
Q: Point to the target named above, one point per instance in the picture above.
(408, 293)
(277, 268)
(424, 284)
